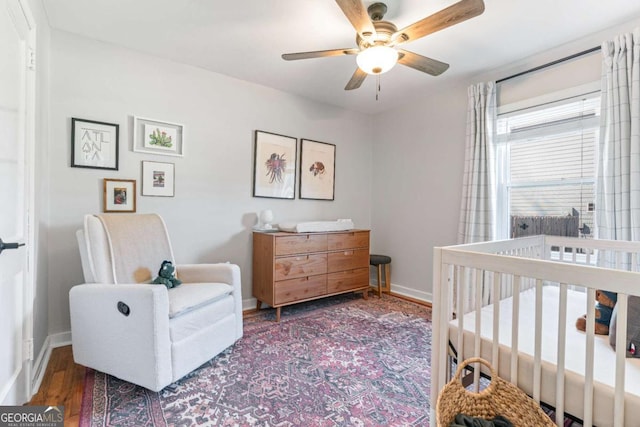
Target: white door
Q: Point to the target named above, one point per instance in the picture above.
(15, 280)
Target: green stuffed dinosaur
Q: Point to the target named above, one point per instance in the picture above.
(166, 276)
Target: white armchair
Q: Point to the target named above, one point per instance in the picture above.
(140, 332)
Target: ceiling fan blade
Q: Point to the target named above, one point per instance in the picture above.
(319, 54)
(454, 14)
(421, 63)
(356, 80)
(357, 14)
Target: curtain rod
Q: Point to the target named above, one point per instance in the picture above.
(550, 64)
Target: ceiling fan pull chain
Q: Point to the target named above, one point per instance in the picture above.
(377, 86)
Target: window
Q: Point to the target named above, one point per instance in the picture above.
(546, 168)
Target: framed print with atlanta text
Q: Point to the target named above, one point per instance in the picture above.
(94, 144)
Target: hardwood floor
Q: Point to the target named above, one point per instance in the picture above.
(62, 384)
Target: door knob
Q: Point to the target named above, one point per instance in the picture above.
(4, 245)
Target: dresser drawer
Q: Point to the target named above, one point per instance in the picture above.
(348, 240)
(299, 289)
(345, 280)
(348, 260)
(300, 266)
(289, 245)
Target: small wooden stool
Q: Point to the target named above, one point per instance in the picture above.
(382, 261)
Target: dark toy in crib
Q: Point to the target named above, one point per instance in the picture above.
(605, 302)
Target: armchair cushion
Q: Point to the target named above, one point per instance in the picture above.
(194, 295)
(193, 322)
(137, 245)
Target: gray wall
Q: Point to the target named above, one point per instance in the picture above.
(211, 215)
(418, 159)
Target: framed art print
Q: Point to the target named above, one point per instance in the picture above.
(158, 179)
(119, 195)
(158, 137)
(94, 144)
(317, 170)
(274, 166)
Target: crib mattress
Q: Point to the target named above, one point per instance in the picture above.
(604, 356)
(316, 226)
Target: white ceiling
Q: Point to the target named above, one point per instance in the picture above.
(245, 38)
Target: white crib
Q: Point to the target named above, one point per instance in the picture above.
(529, 292)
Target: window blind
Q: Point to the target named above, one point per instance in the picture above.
(548, 157)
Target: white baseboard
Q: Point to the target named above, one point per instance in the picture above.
(250, 303)
(42, 361)
(412, 293)
(40, 366)
(60, 339)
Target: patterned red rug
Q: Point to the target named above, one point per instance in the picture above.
(340, 361)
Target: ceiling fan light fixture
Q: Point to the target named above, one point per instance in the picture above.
(377, 59)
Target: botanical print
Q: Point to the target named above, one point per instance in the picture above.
(159, 137)
(276, 165)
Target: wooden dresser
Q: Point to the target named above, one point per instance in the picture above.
(293, 267)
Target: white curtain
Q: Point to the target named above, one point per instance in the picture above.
(618, 177)
(478, 208)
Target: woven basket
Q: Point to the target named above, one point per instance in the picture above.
(499, 398)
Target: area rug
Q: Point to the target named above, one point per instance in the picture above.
(340, 361)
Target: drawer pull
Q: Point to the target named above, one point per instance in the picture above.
(348, 253)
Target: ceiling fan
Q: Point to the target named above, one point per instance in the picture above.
(379, 41)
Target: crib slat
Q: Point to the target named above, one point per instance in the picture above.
(462, 298)
(495, 350)
(562, 339)
(621, 350)
(479, 275)
(438, 353)
(589, 359)
(446, 280)
(515, 321)
(537, 356)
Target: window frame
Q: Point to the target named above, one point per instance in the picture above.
(562, 127)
